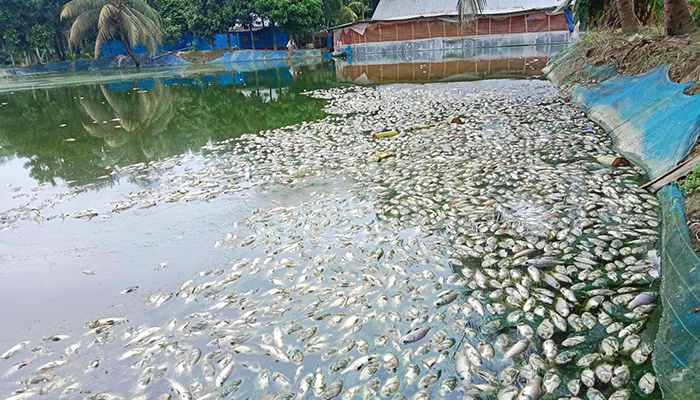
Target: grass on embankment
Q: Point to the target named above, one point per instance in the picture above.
(644, 51)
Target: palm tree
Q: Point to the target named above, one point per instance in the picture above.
(628, 20)
(131, 21)
(677, 18)
(351, 10)
(468, 10)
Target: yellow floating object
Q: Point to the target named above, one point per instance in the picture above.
(384, 134)
(383, 155)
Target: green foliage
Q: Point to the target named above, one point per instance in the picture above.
(174, 19)
(205, 18)
(352, 10)
(133, 22)
(296, 17)
(27, 25)
(691, 181)
(39, 35)
(695, 6)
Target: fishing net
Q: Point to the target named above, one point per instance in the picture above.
(519, 39)
(255, 55)
(569, 68)
(480, 53)
(99, 64)
(654, 123)
(649, 117)
(677, 347)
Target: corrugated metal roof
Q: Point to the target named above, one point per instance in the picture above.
(401, 9)
(407, 9)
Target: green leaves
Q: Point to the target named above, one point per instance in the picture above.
(134, 21)
(293, 16)
(205, 18)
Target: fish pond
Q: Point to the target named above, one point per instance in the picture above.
(398, 227)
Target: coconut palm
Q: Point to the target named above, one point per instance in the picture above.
(131, 21)
(628, 19)
(351, 10)
(677, 19)
(469, 10)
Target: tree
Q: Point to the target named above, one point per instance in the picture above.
(468, 10)
(38, 37)
(266, 9)
(174, 19)
(351, 10)
(295, 16)
(677, 18)
(628, 20)
(205, 18)
(245, 12)
(131, 21)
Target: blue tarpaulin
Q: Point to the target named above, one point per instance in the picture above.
(569, 14)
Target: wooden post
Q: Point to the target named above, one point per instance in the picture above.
(429, 35)
(413, 34)
(549, 23)
(510, 23)
(396, 25)
(490, 25)
(526, 24)
(380, 32)
(444, 29)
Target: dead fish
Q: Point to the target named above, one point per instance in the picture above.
(642, 299)
(333, 390)
(224, 375)
(14, 350)
(182, 392)
(518, 348)
(542, 262)
(415, 335)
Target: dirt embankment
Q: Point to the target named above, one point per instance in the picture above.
(644, 51)
(202, 56)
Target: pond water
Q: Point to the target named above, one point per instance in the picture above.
(237, 232)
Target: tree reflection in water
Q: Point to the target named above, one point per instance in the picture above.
(72, 133)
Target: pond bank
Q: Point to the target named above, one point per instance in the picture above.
(165, 59)
(654, 122)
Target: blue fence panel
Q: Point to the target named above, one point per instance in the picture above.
(226, 79)
(207, 79)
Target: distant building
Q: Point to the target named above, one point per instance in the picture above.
(417, 25)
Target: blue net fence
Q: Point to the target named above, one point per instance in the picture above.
(655, 124)
(98, 64)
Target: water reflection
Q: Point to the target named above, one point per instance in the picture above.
(79, 134)
(149, 114)
(454, 65)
